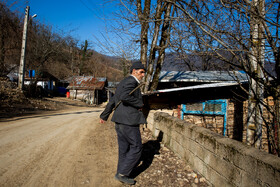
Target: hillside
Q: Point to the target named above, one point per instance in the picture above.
(100, 65)
(59, 54)
(207, 62)
(192, 62)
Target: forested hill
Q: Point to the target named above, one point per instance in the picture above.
(59, 54)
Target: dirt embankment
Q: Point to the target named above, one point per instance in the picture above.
(14, 102)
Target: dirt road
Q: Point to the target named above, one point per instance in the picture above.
(70, 148)
(59, 149)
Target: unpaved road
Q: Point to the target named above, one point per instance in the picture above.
(68, 148)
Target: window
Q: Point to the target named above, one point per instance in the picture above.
(209, 107)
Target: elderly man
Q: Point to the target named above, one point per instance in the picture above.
(127, 117)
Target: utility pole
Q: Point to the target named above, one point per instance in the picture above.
(22, 57)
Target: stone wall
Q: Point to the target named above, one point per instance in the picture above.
(221, 160)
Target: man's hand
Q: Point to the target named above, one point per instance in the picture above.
(102, 121)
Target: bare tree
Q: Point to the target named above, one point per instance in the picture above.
(144, 18)
(154, 19)
(248, 30)
(9, 39)
(163, 9)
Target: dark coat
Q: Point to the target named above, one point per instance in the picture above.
(129, 111)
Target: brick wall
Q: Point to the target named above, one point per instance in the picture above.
(221, 160)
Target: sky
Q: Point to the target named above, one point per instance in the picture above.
(83, 19)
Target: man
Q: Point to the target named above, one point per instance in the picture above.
(127, 117)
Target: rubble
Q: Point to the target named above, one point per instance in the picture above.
(163, 167)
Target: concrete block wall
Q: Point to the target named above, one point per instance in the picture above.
(222, 161)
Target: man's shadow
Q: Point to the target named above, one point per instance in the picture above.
(150, 149)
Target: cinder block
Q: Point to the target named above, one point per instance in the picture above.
(174, 145)
(209, 142)
(166, 139)
(198, 150)
(218, 180)
(180, 151)
(215, 178)
(248, 163)
(249, 181)
(179, 125)
(198, 164)
(189, 157)
(175, 135)
(188, 131)
(224, 168)
(186, 143)
(222, 161)
(269, 170)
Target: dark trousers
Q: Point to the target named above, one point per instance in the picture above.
(130, 147)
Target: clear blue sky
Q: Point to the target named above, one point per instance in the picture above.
(82, 18)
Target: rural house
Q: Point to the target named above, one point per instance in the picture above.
(212, 99)
(88, 88)
(43, 78)
(216, 100)
(111, 88)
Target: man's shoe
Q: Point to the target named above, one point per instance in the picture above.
(124, 179)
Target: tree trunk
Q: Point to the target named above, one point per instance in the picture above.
(165, 35)
(277, 122)
(2, 55)
(144, 20)
(153, 49)
(255, 101)
(2, 41)
(277, 101)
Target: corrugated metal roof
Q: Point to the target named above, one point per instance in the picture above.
(201, 76)
(87, 83)
(112, 84)
(211, 85)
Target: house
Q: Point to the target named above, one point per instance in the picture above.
(212, 99)
(111, 88)
(88, 88)
(44, 83)
(44, 79)
(173, 79)
(175, 88)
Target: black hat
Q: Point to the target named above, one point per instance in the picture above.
(137, 65)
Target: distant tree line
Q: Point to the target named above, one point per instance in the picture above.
(58, 53)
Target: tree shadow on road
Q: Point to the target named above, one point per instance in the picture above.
(44, 116)
(150, 149)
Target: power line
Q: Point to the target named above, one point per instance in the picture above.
(91, 10)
